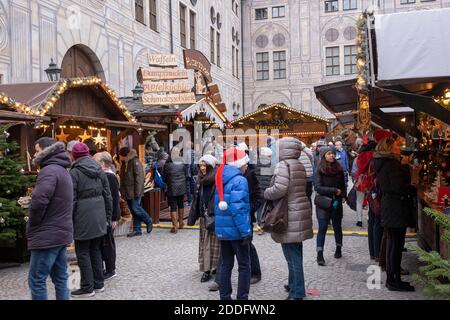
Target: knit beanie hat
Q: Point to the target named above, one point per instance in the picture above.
(233, 157)
(209, 160)
(80, 150)
(380, 134)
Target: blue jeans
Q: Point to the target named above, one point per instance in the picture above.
(47, 262)
(229, 249)
(293, 252)
(375, 234)
(139, 214)
(323, 227)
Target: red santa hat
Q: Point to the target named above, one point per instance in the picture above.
(233, 157)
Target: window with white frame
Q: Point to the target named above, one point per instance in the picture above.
(153, 15)
(279, 64)
(261, 14)
(278, 12)
(350, 59)
(332, 61)
(350, 4)
(183, 25)
(192, 24)
(139, 11)
(331, 5)
(407, 1)
(212, 45)
(237, 63)
(233, 51)
(262, 66)
(218, 49)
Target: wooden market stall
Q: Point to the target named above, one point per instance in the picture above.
(286, 120)
(83, 109)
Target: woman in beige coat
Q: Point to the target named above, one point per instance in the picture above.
(289, 181)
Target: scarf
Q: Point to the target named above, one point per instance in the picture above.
(332, 169)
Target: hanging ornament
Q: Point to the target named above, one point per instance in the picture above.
(26, 218)
(85, 136)
(99, 140)
(62, 136)
(8, 191)
(6, 134)
(2, 220)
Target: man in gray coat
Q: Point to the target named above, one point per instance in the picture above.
(92, 211)
(289, 181)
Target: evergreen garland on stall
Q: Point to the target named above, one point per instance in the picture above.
(434, 276)
(13, 185)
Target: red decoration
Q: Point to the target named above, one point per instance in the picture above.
(442, 192)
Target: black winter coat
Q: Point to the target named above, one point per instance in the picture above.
(264, 179)
(256, 196)
(114, 187)
(92, 207)
(203, 194)
(174, 175)
(327, 185)
(50, 215)
(397, 195)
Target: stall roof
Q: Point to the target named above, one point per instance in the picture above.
(39, 98)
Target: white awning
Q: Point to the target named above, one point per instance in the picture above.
(413, 45)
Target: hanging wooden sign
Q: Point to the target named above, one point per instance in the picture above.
(154, 87)
(162, 60)
(149, 99)
(194, 59)
(161, 74)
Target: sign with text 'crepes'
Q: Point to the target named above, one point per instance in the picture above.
(150, 99)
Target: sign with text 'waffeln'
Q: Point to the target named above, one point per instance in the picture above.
(153, 87)
(156, 74)
(150, 99)
(162, 60)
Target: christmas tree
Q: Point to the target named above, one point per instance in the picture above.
(13, 185)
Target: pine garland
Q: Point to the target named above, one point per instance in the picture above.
(435, 275)
(442, 220)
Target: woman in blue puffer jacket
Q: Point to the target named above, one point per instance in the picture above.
(232, 222)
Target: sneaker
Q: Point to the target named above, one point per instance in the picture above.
(213, 287)
(255, 279)
(81, 293)
(99, 290)
(359, 224)
(149, 228)
(134, 234)
(205, 277)
(109, 275)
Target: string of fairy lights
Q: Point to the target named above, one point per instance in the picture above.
(62, 86)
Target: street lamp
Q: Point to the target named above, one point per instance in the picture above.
(53, 72)
(137, 91)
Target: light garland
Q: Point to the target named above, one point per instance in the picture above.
(282, 106)
(444, 100)
(296, 133)
(62, 86)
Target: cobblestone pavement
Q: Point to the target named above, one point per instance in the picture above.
(164, 266)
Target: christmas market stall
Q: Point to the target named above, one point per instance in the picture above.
(83, 109)
(410, 95)
(286, 120)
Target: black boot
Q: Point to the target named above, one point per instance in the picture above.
(338, 253)
(320, 259)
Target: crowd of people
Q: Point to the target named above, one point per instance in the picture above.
(77, 196)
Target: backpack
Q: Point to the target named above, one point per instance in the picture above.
(158, 178)
(374, 198)
(366, 180)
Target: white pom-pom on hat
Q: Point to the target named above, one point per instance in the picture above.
(223, 205)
